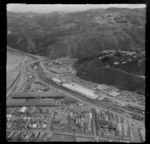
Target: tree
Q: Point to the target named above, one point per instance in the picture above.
(105, 59)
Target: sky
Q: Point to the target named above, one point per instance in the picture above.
(46, 8)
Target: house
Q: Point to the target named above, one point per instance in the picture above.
(23, 109)
(123, 62)
(44, 125)
(34, 125)
(8, 116)
(116, 63)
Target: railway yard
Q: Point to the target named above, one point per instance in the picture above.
(49, 103)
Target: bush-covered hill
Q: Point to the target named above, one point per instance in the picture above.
(115, 68)
(77, 34)
(116, 78)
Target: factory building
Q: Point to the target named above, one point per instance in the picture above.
(81, 89)
(116, 63)
(113, 93)
(56, 80)
(107, 88)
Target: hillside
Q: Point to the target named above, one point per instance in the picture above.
(125, 70)
(116, 78)
(77, 34)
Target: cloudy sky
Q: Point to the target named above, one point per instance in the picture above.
(64, 8)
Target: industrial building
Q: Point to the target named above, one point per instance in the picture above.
(56, 80)
(113, 93)
(106, 87)
(81, 89)
(116, 63)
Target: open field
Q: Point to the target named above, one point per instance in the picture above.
(13, 66)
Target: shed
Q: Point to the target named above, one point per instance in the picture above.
(23, 109)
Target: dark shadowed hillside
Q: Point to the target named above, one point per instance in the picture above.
(117, 68)
(77, 34)
(116, 78)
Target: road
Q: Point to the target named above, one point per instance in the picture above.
(95, 131)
